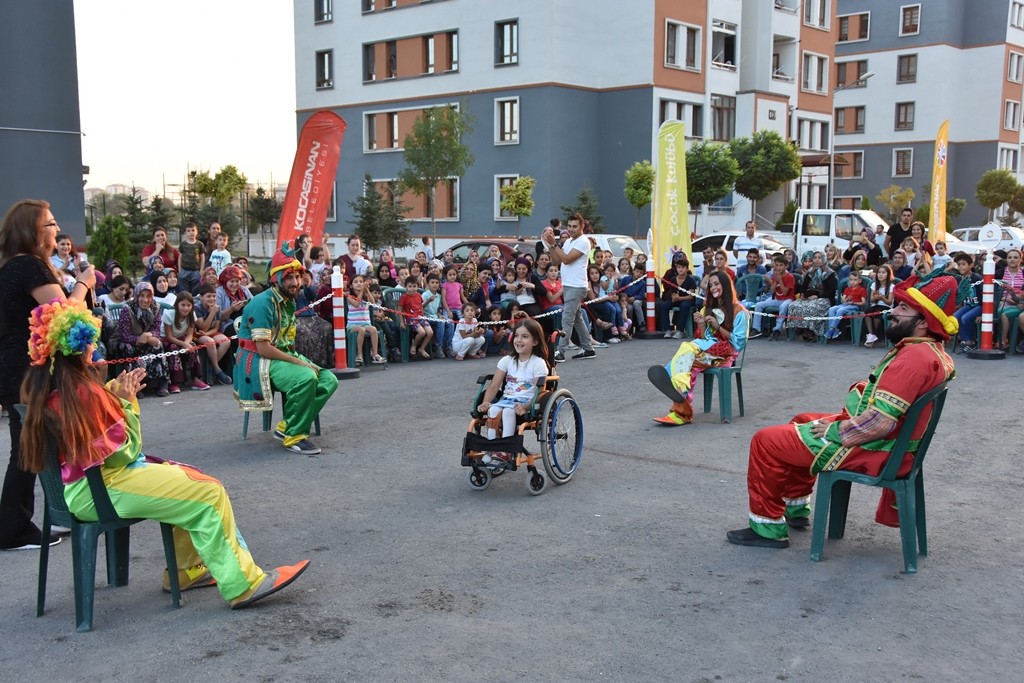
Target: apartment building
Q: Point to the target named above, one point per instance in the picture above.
(40, 128)
(570, 92)
(927, 61)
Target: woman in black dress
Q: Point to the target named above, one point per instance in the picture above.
(28, 235)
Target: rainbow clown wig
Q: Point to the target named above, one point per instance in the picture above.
(64, 327)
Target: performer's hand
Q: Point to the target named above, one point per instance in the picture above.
(819, 427)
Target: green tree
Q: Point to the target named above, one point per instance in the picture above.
(379, 220)
(766, 162)
(264, 210)
(894, 198)
(996, 187)
(110, 241)
(517, 198)
(639, 188)
(788, 216)
(865, 203)
(160, 212)
(135, 211)
(711, 173)
(434, 153)
(954, 207)
(586, 206)
(220, 190)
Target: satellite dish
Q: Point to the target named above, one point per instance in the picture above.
(990, 235)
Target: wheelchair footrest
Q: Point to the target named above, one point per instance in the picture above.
(477, 442)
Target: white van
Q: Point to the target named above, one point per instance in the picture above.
(814, 228)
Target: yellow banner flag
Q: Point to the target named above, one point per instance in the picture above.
(671, 230)
(937, 212)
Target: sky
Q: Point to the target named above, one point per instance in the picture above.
(168, 85)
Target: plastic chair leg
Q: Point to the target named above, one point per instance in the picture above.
(725, 398)
(922, 530)
(856, 325)
(167, 533)
(821, 507)
(739, 390)
(245, 425)
(118, 546)
(838, 509)
(908, 525)
(84, 541)
(709, 390)
(268, 417)
(44, 562)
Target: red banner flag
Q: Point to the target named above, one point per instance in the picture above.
(309, 187)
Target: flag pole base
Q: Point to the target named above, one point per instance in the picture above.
(992, 354)
(346, 373)
(648, 335)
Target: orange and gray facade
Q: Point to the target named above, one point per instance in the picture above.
(570, 92)
(930, 60)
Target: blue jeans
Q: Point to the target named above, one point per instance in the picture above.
(967, 315)
(783, 310)
(665, 309)
(444, 332)
(766, 306)
(190, 280)
(835, 313)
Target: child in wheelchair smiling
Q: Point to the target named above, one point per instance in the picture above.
(519, 372)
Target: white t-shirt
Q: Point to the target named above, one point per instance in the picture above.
(521, 378)
(882, 290)
(575, 274)
(743, 244)
(220, 259)
(466, 327)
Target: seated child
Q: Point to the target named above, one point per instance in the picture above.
(444, 330)
(207, 331)
(520, 372)
(852, 302)
(385, 325)
(469, 336)
(179, 328)
(497, 340)
(358, 319)
(411, 305)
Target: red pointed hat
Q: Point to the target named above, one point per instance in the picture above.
(935, 299)
(282, 262)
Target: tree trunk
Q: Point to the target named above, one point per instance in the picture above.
(433, 219)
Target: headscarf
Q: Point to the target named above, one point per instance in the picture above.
(870, 235)
(108, 268)
(390, 281)
(152, 262)
(819, 275)
(145, 316)
(390, 263)
(153, 277)
(470, 283)
(230, 273)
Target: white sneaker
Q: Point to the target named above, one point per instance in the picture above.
(668, 334)
(871, 339)
(678, 334)
(614, 340)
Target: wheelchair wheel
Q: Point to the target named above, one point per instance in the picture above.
(536, 482)
(561, 436)
(479, 478)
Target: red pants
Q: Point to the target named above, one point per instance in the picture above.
(780, 470)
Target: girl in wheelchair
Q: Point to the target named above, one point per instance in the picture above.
(520, 372)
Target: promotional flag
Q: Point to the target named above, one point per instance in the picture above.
(307, 201)
(937, 212)
(671, 230)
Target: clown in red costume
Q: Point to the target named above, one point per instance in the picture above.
(785, 459)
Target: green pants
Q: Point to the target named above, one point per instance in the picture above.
(306, 394)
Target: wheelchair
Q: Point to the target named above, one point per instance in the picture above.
(554, 417)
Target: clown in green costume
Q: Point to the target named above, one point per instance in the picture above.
(267, 360)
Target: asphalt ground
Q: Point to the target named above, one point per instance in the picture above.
(622, 574)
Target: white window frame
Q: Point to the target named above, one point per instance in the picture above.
(498, 184)
(903, 9)
(817, 14)
(324, 60)
(895, 152)
(816, 58)
(683, 30)
(687, 112)
(498, 102)
(429, 54)
(1015, 67)
(1011, 115)
(1017, 14)
(1013, 154)
(725, 28)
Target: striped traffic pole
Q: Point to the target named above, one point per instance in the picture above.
(649, 332)
(341, 369)
(988, 291)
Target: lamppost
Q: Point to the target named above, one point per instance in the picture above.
(832, 137)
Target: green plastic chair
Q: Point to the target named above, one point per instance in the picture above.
(753, 286)
(725, 375)
(85, 538)
(833, 494)
(268, 419)
(391, 296)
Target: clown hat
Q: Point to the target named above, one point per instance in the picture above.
(283, 261)
(935, 299)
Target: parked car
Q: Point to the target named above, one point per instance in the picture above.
(725, 240)
(617, 244)
(510, 248)
(981, 237)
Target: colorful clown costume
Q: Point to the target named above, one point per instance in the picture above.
(270, 317)
(139, 486)
(709, 349)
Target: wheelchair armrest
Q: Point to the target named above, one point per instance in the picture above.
(482, 382)
(484, 379)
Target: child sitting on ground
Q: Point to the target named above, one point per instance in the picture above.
(469, 336)
(411, 305)
(358, 319)
(207, 331)
(179, 328)
(852, 302)
(520, 372)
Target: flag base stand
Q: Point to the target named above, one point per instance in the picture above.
(991, 354)
(648, 335)
(346, 373)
